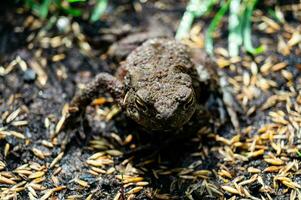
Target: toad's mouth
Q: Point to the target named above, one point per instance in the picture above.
(172, 119)
(166, 124)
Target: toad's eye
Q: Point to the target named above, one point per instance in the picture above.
(141, 104)
(189, 102)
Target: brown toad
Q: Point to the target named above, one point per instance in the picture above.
(158, 86)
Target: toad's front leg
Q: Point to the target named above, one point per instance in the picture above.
(103, 82)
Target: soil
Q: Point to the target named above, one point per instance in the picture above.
(108, 156)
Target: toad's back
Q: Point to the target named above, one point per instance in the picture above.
(157, 61)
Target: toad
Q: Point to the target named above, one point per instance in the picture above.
(159, 86)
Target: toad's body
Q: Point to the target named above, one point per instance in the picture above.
(160, 93)
(158, 86)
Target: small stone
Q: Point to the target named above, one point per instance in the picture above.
(63, 24)
(29, 76)
(255, 187)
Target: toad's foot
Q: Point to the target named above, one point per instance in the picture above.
(103, 82)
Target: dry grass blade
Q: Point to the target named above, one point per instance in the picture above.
(56, 160)
(230, 189)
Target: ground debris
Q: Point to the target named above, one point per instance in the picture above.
(115, 160)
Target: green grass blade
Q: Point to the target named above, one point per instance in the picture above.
(76, 1)
(72, 11)
(250, 5)
(99, 9)
(42, 10)
(213, 25)
(235, 32)
(29, 3)
(195, 8)
(276, 14)
(185, 25)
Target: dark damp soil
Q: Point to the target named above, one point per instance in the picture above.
(41, 67)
